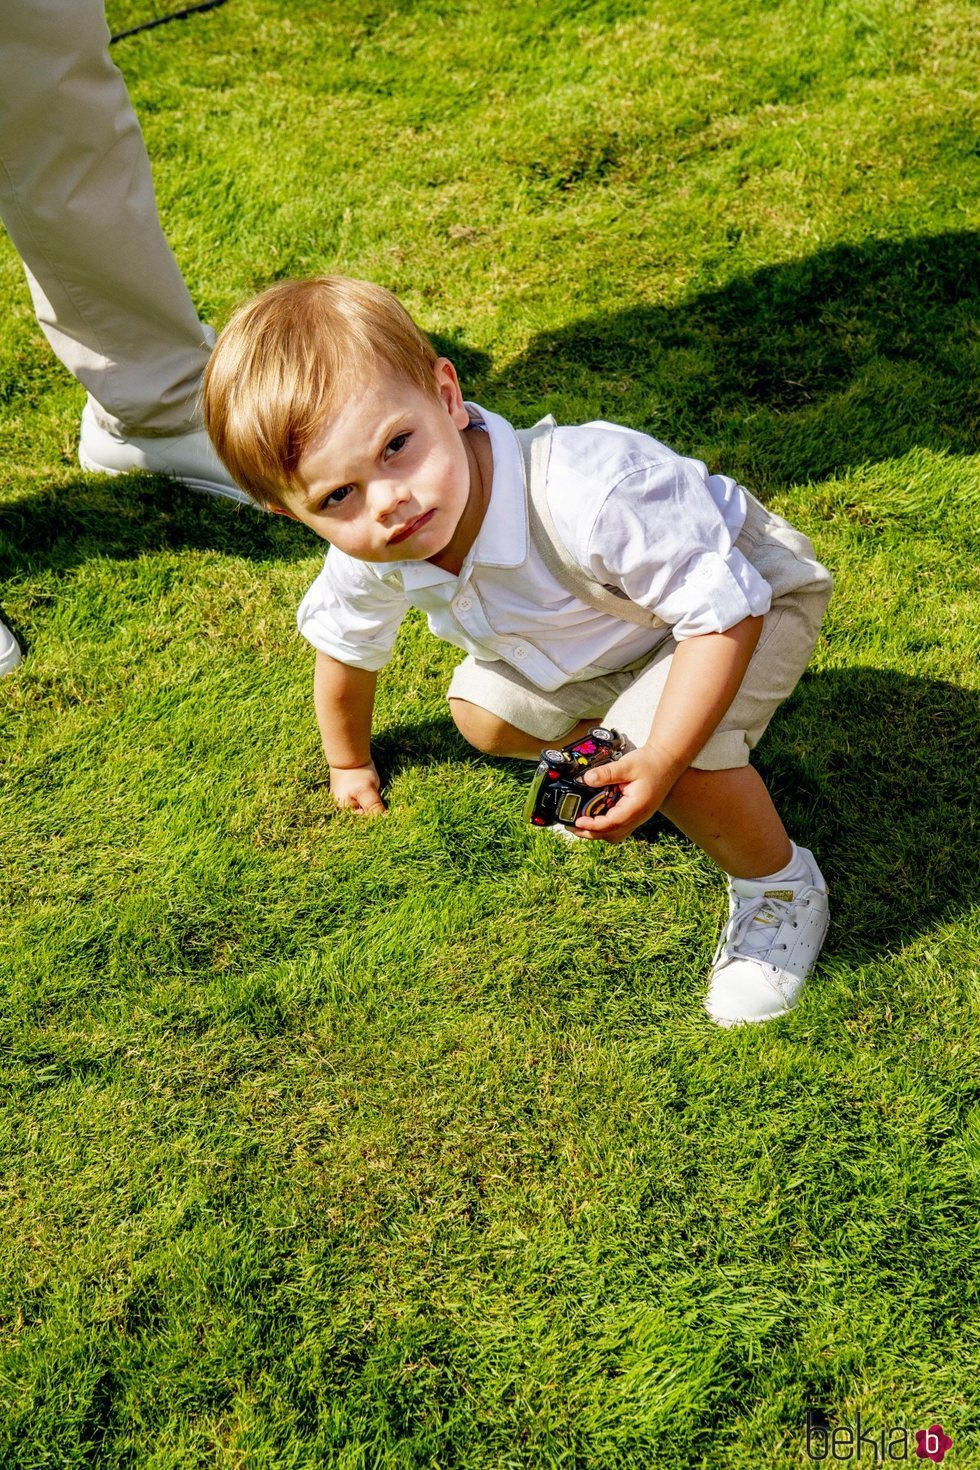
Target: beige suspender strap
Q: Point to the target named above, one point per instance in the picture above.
(536, 451)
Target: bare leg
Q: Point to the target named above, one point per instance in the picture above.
(494, 736)
(730, 816)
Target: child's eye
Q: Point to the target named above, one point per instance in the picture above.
(336, 496)
(394, 445)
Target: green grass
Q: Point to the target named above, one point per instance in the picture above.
(406, 1143)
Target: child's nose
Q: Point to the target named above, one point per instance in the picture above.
(386, 496)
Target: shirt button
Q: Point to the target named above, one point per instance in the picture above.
(704, 572)
(520, 651)
(464, 604)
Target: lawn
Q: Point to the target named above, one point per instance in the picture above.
(407, 1143)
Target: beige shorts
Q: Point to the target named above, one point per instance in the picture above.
(627, 698)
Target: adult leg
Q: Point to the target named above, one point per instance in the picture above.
(77, 198)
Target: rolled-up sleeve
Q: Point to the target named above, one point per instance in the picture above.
(661, 538)
(352, 613)
(712, 592)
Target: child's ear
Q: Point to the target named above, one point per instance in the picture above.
(278, 510)
(447, 384)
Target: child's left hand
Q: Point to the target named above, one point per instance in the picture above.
(645, 783)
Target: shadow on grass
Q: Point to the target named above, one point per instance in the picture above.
(63, 526)
(424, 743)
(878, 772)
(799, 371)
(855, 354)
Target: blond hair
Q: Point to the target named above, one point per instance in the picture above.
(285, 360)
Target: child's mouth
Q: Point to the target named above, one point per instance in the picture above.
(411, 528)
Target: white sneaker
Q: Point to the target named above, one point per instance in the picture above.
(188, 458)
(560, 830)
(768, 947)
(9, 650)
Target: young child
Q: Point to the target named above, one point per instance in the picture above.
(589, 573)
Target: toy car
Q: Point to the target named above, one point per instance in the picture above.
(557, 793)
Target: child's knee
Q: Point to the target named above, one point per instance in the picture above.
(488, 733)
(483, 730)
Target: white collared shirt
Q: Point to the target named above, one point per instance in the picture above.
(634, 514)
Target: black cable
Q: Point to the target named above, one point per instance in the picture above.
(162, 20)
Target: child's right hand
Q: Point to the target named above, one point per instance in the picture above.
(357, 789)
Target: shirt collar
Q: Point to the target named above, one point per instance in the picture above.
(502, 540)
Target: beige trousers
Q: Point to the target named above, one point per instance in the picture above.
(77, 199)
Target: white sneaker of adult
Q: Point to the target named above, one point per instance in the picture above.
(768, 947)
(9, 650)
(188, 458)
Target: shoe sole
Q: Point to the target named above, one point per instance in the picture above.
(565, 833)
(730, 1022)
(203, 487)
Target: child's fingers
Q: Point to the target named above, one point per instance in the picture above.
(370, 803)
(612, 773)
(365, 800)
(596, 833)
(618, 822)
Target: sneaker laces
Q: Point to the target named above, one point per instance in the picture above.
(752, 928)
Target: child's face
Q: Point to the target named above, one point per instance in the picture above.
(388, 476)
